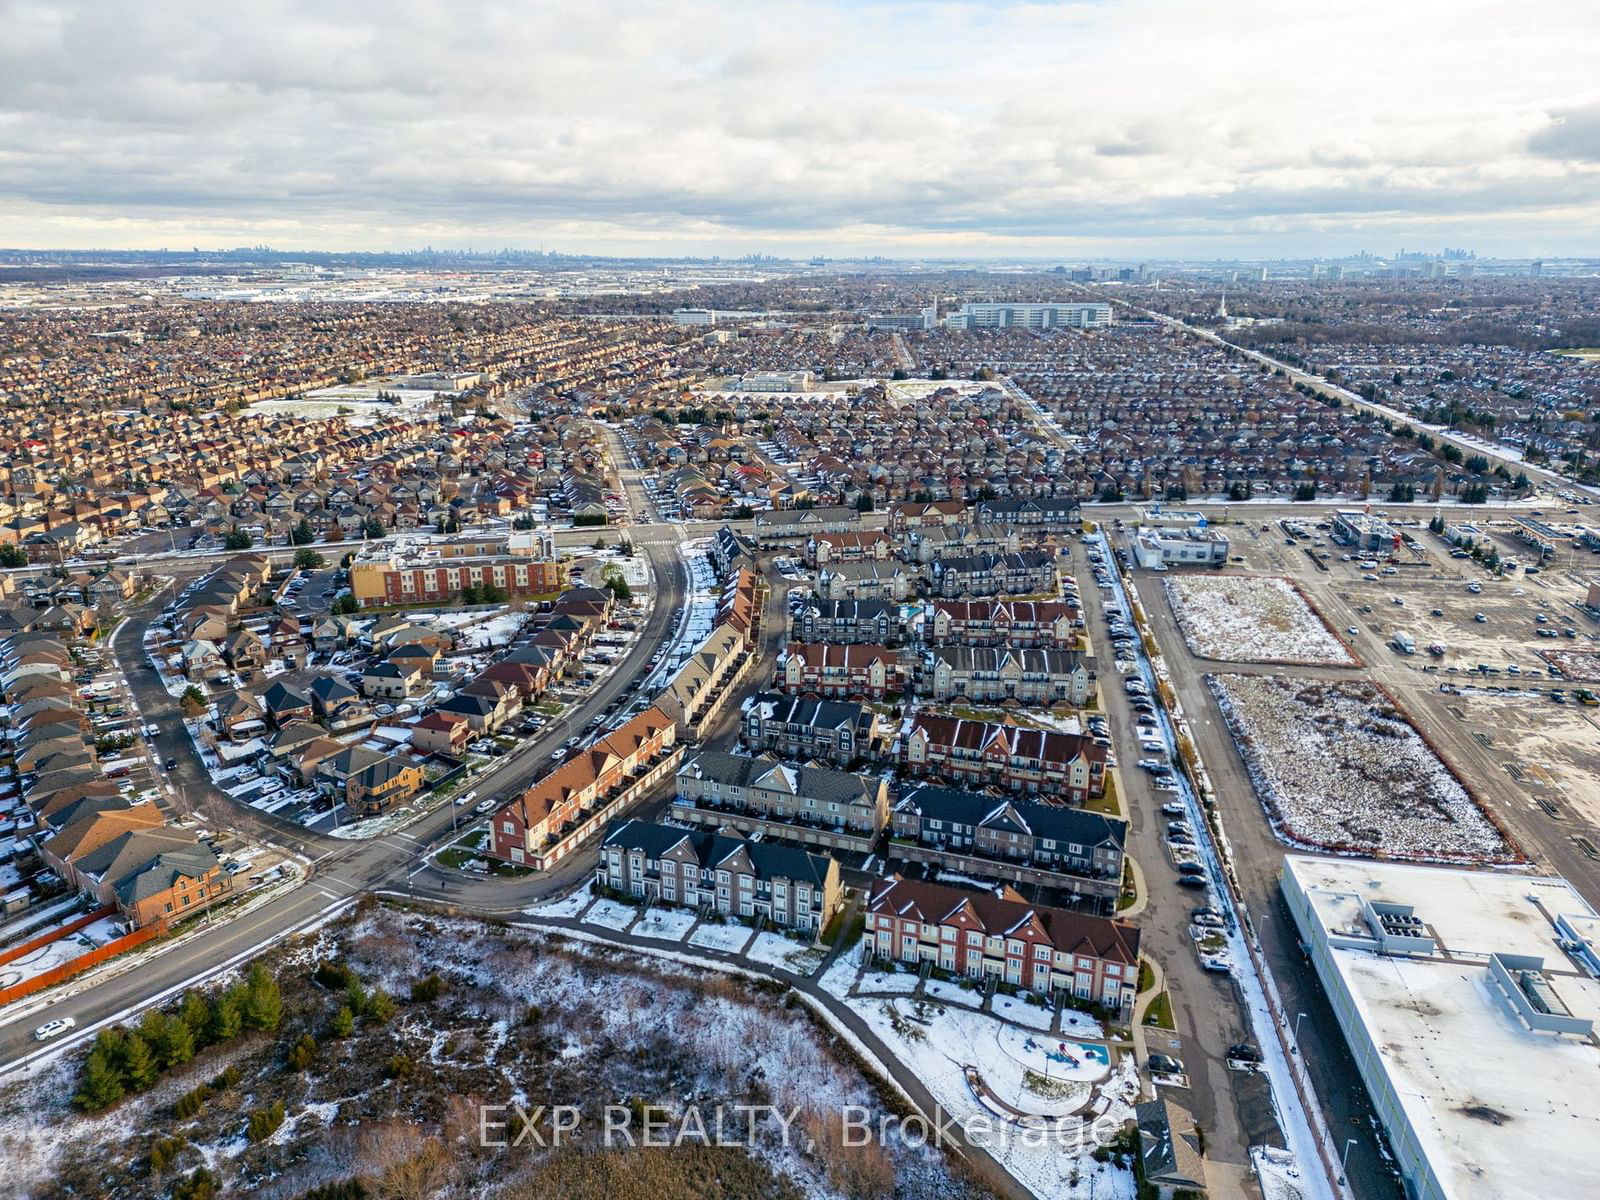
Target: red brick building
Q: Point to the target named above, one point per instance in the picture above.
(1062, 766)
(984, 936)
(839, 672)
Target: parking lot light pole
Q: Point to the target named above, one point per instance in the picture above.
(1295, 1048)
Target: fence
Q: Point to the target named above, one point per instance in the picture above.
(83, 962)
(54, 935)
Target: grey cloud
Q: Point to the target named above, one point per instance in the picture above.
(1574, 134)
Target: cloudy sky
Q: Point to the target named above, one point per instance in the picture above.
(1137, 127)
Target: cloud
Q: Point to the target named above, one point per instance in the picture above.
(683, 125)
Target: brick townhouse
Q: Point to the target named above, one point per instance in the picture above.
(1062, 766)
(848, 672)
(1046, 624)
(761, 793)
(803, 727)
(557, 813)
(974, 832)
(841, 621)
(730, 875)
(859, 546)
(984, 936)
(998, 674)
(1024, 572)
(390, 581)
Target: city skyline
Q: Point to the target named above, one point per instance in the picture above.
(907, 130)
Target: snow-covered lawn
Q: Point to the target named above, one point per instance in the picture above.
(838, 978)
(1337, 767)
(778, 951)
(668, 923)
(1235, 618)
(1014, 1008)
(939, 1043)
(567, 906)
(952, 993)
(714, 936)
(611, 914)
(899, 982)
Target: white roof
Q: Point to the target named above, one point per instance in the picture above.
(1499, 1110)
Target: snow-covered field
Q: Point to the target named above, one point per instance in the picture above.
(721, 937)
(899, 982)
(1337, 767)
(778, 951)
(1233, 618)
(952, 993)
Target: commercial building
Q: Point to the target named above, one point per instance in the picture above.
(1363, 531)
(1468, 999)
(733, 876)
(1004, 938)
(1179, 547)
(775, 381)
(1030, 316)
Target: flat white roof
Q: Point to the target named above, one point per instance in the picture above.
(1499, 1110)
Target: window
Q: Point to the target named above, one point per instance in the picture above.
(974, 937)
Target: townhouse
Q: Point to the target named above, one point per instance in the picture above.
(714, 872)
(995, 938)
(1046, 624)
(765, 795)
(823, 549)
(556, 814)
(1013, 838)
(703, 688)
(1065, 767)
(890, 581)
(1003, 675)
(1043, 513)
(855, 671)
(804, 727)
(842, 621)
(1023, 573)
(773, 528)
(391, 580)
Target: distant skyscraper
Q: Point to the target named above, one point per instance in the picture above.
(1222, 305)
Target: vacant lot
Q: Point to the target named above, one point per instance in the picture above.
(1235, 618)
(1337, 767)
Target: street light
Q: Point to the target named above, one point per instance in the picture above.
(1345, 1158)
(1295, 1049)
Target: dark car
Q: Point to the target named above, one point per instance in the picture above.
(172, 764)
(1191, 868)
(1192, 881)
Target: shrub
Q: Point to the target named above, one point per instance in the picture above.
(399, 1066)
(333, 976)
(345, 1189)
(100, 1084)
(202, 1185)
(191, 1103)
(427, 989)
(380, 1007)
(164, 1153)
(344, 1022)
(303, 1053)
(229, 1078)
(264, 1122)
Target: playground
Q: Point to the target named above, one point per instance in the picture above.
(1053, 1057)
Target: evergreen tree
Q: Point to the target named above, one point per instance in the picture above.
(196, 1014)
(139, 1066)
(344, 1022)
(226, 1017)
(100, 1085)
(263, 1002)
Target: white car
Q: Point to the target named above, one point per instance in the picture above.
(485, 806)
(54, 1028)
(1172, 808)
(1154, 747)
